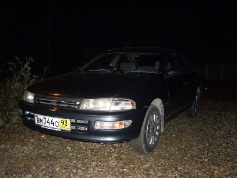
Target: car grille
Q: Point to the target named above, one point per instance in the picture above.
(57, 102)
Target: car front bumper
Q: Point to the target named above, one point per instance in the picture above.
(82, 123)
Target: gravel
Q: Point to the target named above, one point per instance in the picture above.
(205, 146)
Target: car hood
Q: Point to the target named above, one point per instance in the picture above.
(89, 85)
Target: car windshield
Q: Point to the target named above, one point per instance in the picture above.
(126, 62)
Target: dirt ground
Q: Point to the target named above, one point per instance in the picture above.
(205, 146)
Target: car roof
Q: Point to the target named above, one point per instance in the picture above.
(142, 49)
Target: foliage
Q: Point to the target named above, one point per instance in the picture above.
(11, 94)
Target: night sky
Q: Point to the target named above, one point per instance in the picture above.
(73, 31)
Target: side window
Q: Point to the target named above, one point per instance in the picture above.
(184, 64)
(173, 62)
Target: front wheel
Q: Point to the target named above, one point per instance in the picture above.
(150, 131)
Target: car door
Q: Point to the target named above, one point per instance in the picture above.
(177, 84)
(190, 79)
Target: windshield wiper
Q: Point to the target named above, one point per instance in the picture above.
(140, 71)
(99, 70)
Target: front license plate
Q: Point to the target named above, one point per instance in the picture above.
(53, 123)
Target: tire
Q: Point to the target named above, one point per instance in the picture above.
(193, 110)
(150, 131)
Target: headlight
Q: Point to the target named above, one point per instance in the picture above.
(108, 104)
(122, 104)
(28, 97)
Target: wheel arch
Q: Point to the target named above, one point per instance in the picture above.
(159, 104)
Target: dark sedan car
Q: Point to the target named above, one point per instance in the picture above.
(121, 95)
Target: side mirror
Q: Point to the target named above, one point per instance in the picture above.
(174, 72)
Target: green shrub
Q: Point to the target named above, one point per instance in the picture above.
(12, 93)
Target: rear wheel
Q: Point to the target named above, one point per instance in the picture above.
(150, 131)
(193, 110)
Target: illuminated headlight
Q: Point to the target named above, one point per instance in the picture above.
(122, 104)
(108, 104)
(28, 97)
(103, 125)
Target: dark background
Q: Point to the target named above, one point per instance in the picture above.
(63, 34)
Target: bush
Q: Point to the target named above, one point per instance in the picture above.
(12, 93)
